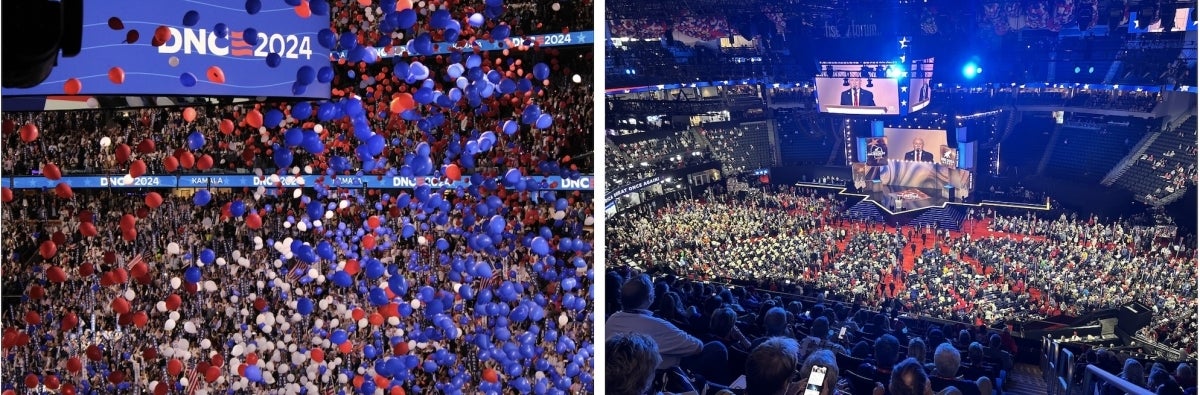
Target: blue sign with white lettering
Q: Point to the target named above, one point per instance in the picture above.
(140, 47)
(544, 40)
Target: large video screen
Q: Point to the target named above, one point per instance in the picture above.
(919, 89)
(920, 145)
(138, 47)
(859, 88)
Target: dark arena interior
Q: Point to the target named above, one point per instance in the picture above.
(994, 196)
(365, 197)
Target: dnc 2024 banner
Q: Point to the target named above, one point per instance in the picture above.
(213, 48)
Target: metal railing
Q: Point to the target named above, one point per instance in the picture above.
(1093, 376)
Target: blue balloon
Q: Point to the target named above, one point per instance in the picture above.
(540, 246)
(541, 71)
(192, 274)
(274, 60)
(342, 279)
(306, 75)
(195, 140)
(377, 296)
(237, 208)
(293, 137)
(407, 18)
(253, 6)
(254, 373)
(283, 157)
(325, 74)
(348, 41)
(250, 36)
(272, 118)
(221, 30)
(544, 121)
(207, 256)
(304, 306)
(190, 18)
(500, 32)
(319, 8)
(202, 197)
(476, 20)
(512, 176)
(327, 38)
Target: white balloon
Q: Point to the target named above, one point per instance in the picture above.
(161, 306)
(317, 223)
(393, 321)
(287, 225)
(329, 214)
(318, 128)
(236, 254)
(105, 141)
(210, 286)
(301, 226)
(343, 204)
(170, 325)
(313, 273)
(589, 221)
(127, 179)
(189, 327)
(221, 262)
(205, 344)
(237, 351)
(555, 6)
(129, 294)
(297, 193)
(416, 304)
(562, 320)
(558, 215)
(173, 248)
(174, 315)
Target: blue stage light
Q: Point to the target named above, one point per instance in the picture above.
(971, 70)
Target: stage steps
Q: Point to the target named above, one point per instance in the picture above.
(864, 210)
(943, 218)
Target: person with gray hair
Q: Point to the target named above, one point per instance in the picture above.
(630, 362)
(770, 366)
(946, 361)
(826, 359)
(637, 294)
(909, 378)
(775, 323)
(723, 326)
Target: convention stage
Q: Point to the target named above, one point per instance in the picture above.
(896, 199)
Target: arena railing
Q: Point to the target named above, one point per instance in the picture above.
(1093, 376)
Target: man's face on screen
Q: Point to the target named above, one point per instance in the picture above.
(856, 83)
(919, 144)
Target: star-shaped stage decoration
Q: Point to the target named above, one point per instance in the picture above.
(904, 102)
(904, 89)
(904, 42)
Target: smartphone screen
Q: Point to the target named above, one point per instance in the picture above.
(815, 380)
(842, 334)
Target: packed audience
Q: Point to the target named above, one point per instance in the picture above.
(740, 147)
(1015, 272)
(653, 149)
(1130, 101)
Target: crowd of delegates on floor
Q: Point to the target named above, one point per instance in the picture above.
(1031, 268)
(1116, 100)
(450, 327)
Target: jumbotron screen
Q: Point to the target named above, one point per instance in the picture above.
(874, 88)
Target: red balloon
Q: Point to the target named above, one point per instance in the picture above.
(63, 190)
(32, 318)
(187, 160)
(88, 229)
(149, 353)
(318, 355)
(373, 222)
(31, 380)
(9, 126)
(253, 221)
(137, 169)
(140, 319)
(254, 119)
(116, 377)
(368, 242)
(74, 365)
(48, 249)
(120, 305)
(128, 221)
(170, 163)
(69, 321)
(110, 257)
(146, 146)
(59, 238)
(173, 302)
(174, 367)
(162, 388)
(161, 35)
(37, 292)
(252, 359)
(56, 275)
(216, 75)
(204, 163)
(402, 102)
(129, 235)
(490, 375)
(52, 382)
(68, 389)
(51, 171)
(189, 114)
(153, 200)
(453, 172)
(123, 153)
(29, 132)
(218, 360)
(138, 270)
(72, 86)
(226, 126)
(117, 74)
(7, 195)
(212, 374)
(86, 269)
